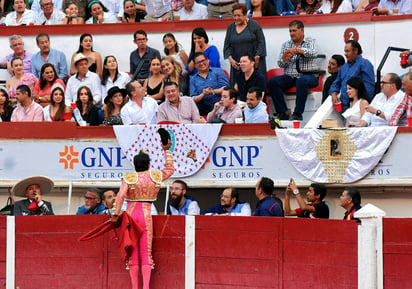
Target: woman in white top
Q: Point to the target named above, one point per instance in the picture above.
(97, 13)
(336, 6)
(57, 110)
(111, 75)
(172, 48)
(358, 100)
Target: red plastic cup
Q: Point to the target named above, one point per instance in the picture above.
(338, 107)
(296, 124)
(404, 60)
(409, 121)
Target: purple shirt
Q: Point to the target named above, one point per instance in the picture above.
(186, 112)
(404, 6)
(26, 61)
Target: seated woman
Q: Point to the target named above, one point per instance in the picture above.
(19, 77)
(308, 7)
(133, 12)
(86, 47)
(97, 13)
(172, 48)
(200, 43)
(86, 112)
(336, 6)
(42, 88)
(5, 108)
(154, 84)
(358, 100)
(57, 110)
(261, 8)
(72, 15)
(114, 102)
(111, 75)
(173, 73)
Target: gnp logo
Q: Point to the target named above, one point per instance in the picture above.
(92, 157)
(236, 162)
(68, 157)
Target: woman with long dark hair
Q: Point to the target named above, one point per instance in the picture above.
(172, 48)
(57, 110)
(200, 43)
(336, 6)
(85, 113)
(42, 88)
(5, 107)
(133, 11)
(111, 75)
(86, 47)
(358, 101)
(308, 7)
(113, 103)
(261, 8)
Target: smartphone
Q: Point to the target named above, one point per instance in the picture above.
(291, 180)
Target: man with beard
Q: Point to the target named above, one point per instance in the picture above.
(179, 203)
(230, 205)
(92, 204)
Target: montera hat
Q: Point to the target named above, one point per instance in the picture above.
(81, 56)
(45, 183)
(112, 91)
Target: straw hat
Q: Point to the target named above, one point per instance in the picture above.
(81, 56)
(46, 185)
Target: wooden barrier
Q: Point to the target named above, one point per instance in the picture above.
(397, 253)
(231, 252)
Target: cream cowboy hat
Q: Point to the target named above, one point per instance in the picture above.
(81, 56)
(46, 185)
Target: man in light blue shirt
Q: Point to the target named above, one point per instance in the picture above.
(255, 111)
(356, 65)
(48, 55)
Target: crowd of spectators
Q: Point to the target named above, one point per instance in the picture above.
(187, 88)
(46, 12)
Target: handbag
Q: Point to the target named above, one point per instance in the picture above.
(7, 210)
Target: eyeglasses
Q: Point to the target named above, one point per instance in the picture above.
(386, 82)
(201, 61)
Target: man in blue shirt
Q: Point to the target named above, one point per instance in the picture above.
(207, 84)
(92, 204)
(255, 111)
(229, 205)
(179, 203)
(355, 65)
(267, 206)
(48, 55)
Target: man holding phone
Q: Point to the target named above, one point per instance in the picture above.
(316, 208)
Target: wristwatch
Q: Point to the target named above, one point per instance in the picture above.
(295, 191)
(378, 112)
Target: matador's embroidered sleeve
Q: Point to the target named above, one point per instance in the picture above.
(117, 206)
(169, 168)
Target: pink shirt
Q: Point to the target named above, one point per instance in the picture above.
(33, 113)
(47, 89)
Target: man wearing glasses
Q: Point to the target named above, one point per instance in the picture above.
(48, 15)
(179, 203)
(140, 58)
(92, 204)
(379, 112)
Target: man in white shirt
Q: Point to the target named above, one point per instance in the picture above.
(49, 15)
(383, 105)
(83, 77)
(191, 11)
(20, 15)
(36, 6)
(139, 109)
